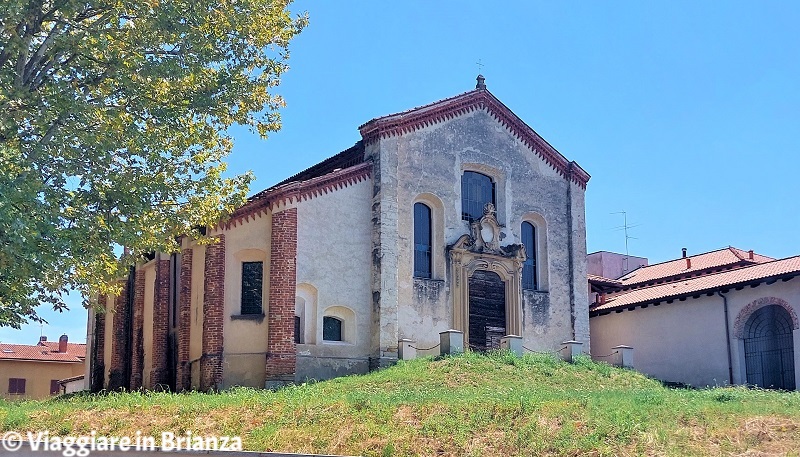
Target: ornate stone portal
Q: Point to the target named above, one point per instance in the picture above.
(481, 250)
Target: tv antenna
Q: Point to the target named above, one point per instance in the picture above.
(625, 227)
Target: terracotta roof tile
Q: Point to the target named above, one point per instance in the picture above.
(46, 352)
(603, 280)
(727, 257)
(788, 267)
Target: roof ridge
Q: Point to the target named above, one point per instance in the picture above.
(645, 285)
(734, 251)
(677, 259)
(421, 107)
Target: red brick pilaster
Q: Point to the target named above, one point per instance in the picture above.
(158, 375)
(99, 370)
(281, 350)
(116, 377)
(184, 373)
(213, 311)
(137, 358)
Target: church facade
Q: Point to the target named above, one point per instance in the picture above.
(454, 215)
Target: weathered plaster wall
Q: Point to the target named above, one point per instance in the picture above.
(684, 341)
(245, 339)
(431, 161)
(196, 313)
(333, 268)
(108, 339)
(149, 272)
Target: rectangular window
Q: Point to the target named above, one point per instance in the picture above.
(331, 329)
(16, 386)
(252, 286)
(298, 337)
(55, 387)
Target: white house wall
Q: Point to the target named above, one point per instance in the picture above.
(334, 232)
(684, 341)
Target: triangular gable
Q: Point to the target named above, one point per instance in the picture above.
(449, 108)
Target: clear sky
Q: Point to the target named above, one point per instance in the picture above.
(685, 113)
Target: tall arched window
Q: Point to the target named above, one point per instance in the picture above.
(422, 241)
(529, 280)
(476, 191)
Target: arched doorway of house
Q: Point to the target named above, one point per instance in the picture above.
(769, 348)
(487, 310)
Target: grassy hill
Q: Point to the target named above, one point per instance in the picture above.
(466, 405)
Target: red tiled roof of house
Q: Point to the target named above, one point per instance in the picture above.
(722, 258)
(776, 269)
(603, 280)
(46, 352)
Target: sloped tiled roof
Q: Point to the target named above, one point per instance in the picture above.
(45, 352)
(776, 269)
(603, 280)
(449, 108)
(722, 258)
(350, 165)
(351, 156)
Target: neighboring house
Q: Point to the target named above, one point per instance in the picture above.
(722, 317)
(73, 384)
(454, 215)
(34, 371)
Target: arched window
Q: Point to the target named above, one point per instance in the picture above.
(529, 280)
(331, 329)
(476, 191)
(422, 241)
(769, 348)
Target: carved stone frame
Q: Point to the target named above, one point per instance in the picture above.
(471, 253)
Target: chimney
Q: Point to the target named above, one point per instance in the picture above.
(750, 254)
(688, 263)
(42, 339)
(684, 252)
(62, 343)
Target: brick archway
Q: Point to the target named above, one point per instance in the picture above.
(755, 305)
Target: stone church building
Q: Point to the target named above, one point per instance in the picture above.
(454, 215)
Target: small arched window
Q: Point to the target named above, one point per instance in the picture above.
(529, 280)
(422, 241)
(476, 191)
(331, 329)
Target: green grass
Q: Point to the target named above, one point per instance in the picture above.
(466, 405)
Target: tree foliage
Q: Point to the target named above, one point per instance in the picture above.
(113, 121)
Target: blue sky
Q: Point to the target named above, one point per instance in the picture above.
(686, 114)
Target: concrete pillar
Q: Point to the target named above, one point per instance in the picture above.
(571, 350)
(512, 343)
(451, 342)
(624, 356)
(407, 349)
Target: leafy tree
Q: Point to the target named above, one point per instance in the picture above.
(113, 121)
